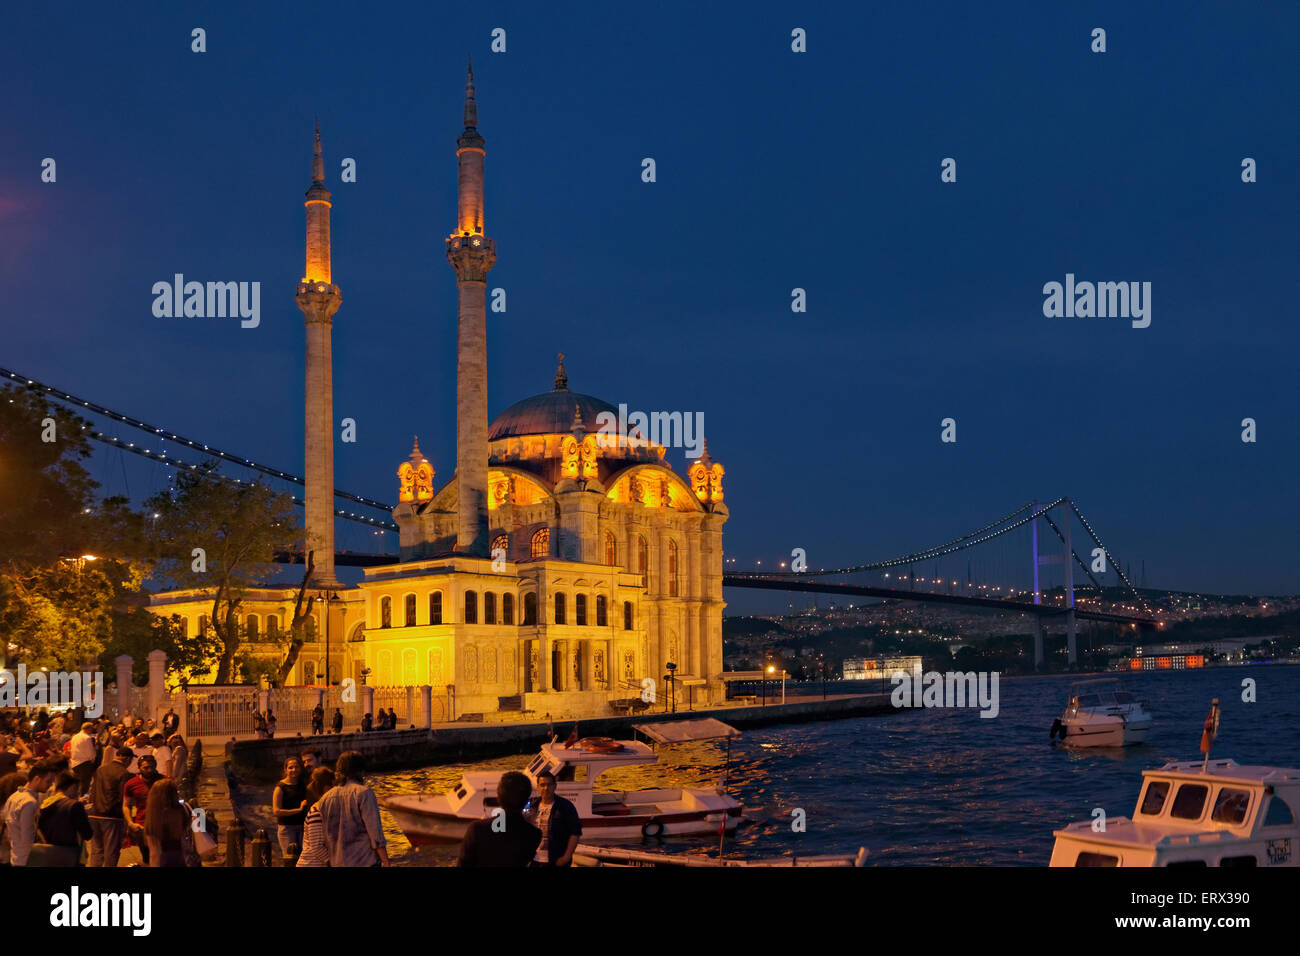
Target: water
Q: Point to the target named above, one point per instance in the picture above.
(939, 787)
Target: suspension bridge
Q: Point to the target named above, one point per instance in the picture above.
(1040, 537)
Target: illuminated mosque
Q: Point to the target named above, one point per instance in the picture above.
(558, 568)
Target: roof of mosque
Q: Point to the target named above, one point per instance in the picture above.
(550, 413)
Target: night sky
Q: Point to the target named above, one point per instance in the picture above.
(775, 170)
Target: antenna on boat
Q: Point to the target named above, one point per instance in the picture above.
(1210, 731)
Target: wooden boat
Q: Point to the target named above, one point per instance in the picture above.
(586, 855)
(607, 816)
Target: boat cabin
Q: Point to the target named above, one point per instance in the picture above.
(1224, 814)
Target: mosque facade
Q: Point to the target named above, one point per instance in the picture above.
(563, 566)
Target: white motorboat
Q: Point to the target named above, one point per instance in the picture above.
(613, 815)
(1100, 713)
(1193, 814)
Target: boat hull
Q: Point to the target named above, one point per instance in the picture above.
(424, 827)
(1106, 732)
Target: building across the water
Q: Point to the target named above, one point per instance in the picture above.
(562, 564)
(873, 668)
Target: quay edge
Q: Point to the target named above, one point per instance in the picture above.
(404, 749)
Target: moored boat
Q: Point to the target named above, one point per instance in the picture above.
(607, 816)
(1196, 813)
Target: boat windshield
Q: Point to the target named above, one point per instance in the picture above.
(536, 767)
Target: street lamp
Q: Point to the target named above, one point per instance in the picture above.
(327, 597)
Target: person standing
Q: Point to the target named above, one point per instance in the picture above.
(559, 822)
(337, 721)
(503, 841)
(289, 804)
(63, 820)
(392, 719)
(171, 723)
(317, 720)
(135, 801)
(82, 756)
(161, 752)
(350, 816)
(20, 813)
(167, 821)
(314, 851)
(106, 813)
(179, 758)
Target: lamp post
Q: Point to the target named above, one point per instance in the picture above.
(672, 685)
(327, 598)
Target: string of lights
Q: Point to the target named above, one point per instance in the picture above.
(1113, 563)
(1082, 564)
(166, 459)
(968, 540)
(163, 433)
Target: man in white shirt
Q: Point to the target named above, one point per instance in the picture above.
(162, 752)
(20, 810)
(81, 759)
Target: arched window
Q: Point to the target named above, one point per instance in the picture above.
(272, 626)
(507, 608)
(471, 607)
(309, 672)
(501, 543)
(627, 615)
(530, 609)
(489, 608)
(602, 611)
(410, 610)
(580, 610)
(435, 607)
(611, 549)
(542, 543)
(250, 628)
(385, 612)
(559, 609)
(672, 568)
(642, 555)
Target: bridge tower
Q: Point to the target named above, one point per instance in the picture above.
(319, 299)
(1066, 558)
(472, 254)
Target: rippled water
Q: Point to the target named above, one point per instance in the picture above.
(939, 786)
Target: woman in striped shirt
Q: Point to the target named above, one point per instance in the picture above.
(314, 851)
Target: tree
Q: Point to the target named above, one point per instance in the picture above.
(221, 537)
(60, 560)
(298, 626)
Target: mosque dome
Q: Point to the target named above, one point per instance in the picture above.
(550, 413)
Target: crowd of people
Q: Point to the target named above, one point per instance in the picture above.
(71, 787)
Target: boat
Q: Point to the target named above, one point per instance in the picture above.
(1196, 813)
(587, 855)
(607, 815)
(1100, 713)
(1192, 814)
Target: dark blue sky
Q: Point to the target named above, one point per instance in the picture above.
(775, 170)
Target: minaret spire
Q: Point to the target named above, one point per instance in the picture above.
(319, 299)
(471, 107)
(317, 162)
(471, 253)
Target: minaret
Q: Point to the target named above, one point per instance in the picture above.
(319, 299)
(471, 254)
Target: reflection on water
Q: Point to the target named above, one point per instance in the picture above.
(936, 786)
